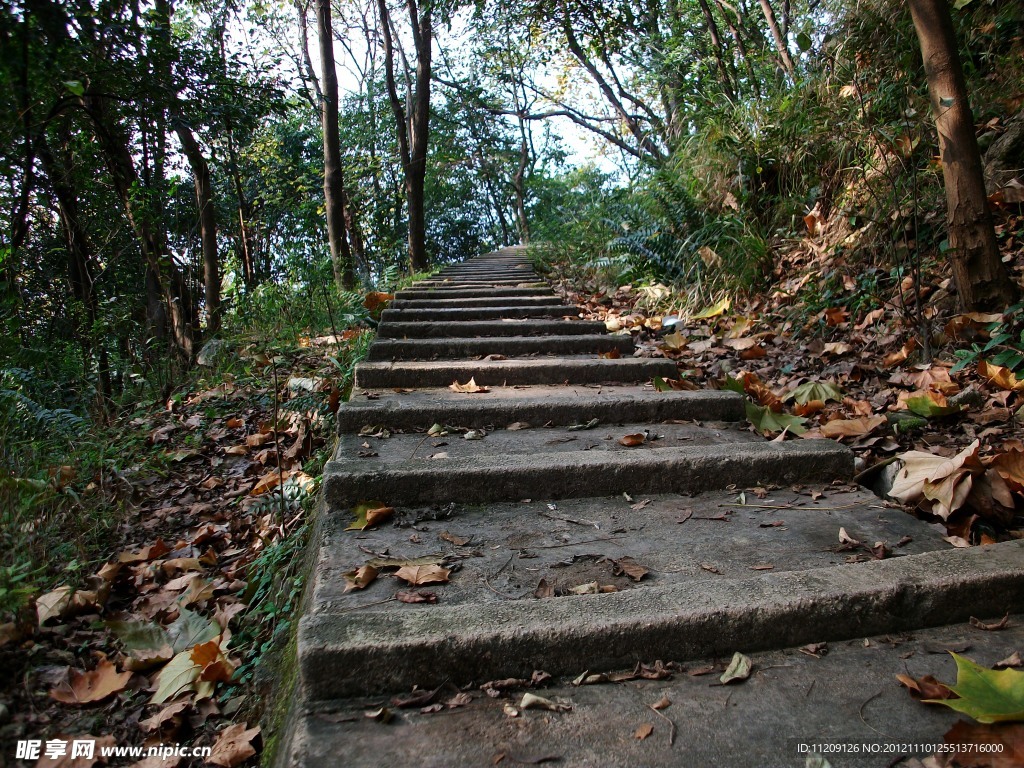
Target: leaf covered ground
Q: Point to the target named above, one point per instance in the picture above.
(171, 636)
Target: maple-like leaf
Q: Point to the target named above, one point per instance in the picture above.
(766, 420)
(987, 695)
(234, 745)
(95, 685)
(815, 390)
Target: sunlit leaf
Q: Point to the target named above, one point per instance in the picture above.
(987, 695)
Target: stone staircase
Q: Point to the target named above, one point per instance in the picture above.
(526, 495)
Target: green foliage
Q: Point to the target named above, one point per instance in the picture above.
(1005, 345)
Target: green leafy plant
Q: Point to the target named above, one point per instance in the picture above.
(1005, 345)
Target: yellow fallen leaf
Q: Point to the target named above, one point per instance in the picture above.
(471, 387)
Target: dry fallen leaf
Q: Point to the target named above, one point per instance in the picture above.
(663, 703)
(360, 578)
(926, 688)
(95, 685)
(234, 745)
(532, 701)
(423, 574)
(415, 596)
(643, 731)
(991, 626)
(633, 440)
(628, 567)
(471, 387)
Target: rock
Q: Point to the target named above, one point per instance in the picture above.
(969, 398)
(214, 351)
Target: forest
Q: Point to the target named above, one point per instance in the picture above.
(206, 203)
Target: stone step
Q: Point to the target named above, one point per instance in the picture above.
(487, 301)
(576, 473)
(725, 574)
(468, 293)
(792, 701)
(535, 406)
(477, 284)
(547, 370)
(487, 274)
(488, 266)
(478, 313)
(446, 349)
(511, 327)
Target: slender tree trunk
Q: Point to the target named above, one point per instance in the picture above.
(413, 124)
(780, 41)
(334, 182)
(982, 282)
(163, 275)
(716, 44)
(207, 224)
(82, 264)
(741, 47)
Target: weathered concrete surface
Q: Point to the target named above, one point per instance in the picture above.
(486, 301)
(534, 406)
(560, 475)
(396, 451)
(432, 349)
(546, 370)
(470, 293)
(848, 698)
(479, 313)
(362, 653)
(454, 329)
(500, 552)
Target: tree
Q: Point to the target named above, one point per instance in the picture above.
(334, 181)
(412, 117)
(982, 282)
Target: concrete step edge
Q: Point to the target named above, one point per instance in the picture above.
(391, 329)
(455, 347)
(479, 411)
(359, 654)
(536, 370)
(444, 314)
(579, 474)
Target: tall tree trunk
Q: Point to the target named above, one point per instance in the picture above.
(716, 43)
(164, 276)
(982, 282)
(82, 263)
(334, 182)
(207, 224)
(412, 121)
(780, 41)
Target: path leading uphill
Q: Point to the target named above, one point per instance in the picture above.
(586, 523)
